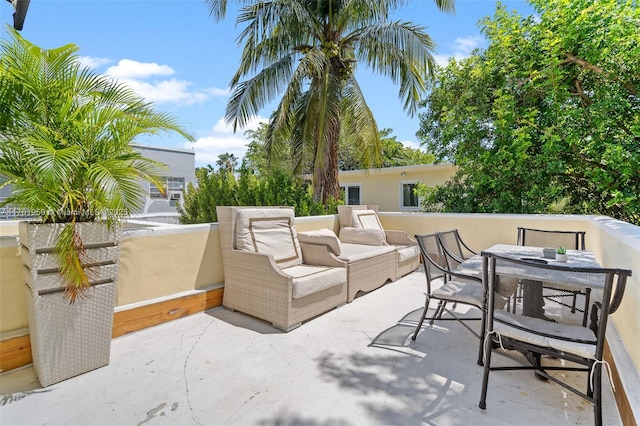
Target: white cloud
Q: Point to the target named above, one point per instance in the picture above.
(222, 140)
(412, 145)
(129, 69)
(165, 91)
(459, 49)
(93, 63)
(215, 91)
(465, 45)
(151, 81)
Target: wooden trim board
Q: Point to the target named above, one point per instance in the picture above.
(157, 313)
(15, 352)
(620, 395)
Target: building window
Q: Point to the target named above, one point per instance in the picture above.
(173, 187)
(410, 200)
(351, 194)
(154, 192)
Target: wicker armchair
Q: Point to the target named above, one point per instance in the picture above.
(265, 275)
(366, 217)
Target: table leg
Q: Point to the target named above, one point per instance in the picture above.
(532, 302)
(532, 306)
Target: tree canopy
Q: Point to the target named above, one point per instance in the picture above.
(394, 153)
(547, 118)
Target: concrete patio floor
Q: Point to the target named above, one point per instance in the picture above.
(355, 365)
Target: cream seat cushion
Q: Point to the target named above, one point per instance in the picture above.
(357, 252)
(470, 292)
(309, 279)
(583, 339)
(269, 231)
(467, 292)
(407, 252)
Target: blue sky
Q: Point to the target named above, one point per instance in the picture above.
(174, 55)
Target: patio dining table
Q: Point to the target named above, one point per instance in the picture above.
(532, 303)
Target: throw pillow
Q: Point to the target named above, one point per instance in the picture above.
(323, 237)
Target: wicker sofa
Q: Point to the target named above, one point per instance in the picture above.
(365, 217)
(368, 266)
(266, 272)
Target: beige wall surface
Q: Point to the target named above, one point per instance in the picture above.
(382, 186)
(161, 261)
(13, 313)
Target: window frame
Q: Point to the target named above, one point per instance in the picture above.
(401, 201)
(171, 184)
(344, 188)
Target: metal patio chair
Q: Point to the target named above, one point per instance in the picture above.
(457, 251)
(457, 287)
(570, 346)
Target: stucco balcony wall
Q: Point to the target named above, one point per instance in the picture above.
(156, 262)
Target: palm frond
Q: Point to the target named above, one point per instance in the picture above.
(401, 51)
(218, 8)
(53, 164)
(274, 30)
(250, 96)
(360, 126)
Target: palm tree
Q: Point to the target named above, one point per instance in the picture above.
(308, 50)
(66, 137)
(227, 162)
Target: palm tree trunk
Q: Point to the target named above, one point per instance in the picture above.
(332, 183)
(318, 185)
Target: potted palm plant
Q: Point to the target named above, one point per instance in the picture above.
(66, 136)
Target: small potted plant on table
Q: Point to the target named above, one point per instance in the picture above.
(561, 254)
(66, 138)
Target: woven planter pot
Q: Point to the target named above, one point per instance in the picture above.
(69, 339)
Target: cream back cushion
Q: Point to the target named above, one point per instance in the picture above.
(269, 231)
(370, 237)
(366, 219)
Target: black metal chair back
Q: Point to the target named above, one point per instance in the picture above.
(454, 248)
(433, 258)
(574, 240)
(549, 238)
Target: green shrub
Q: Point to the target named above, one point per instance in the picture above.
(222, 188)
